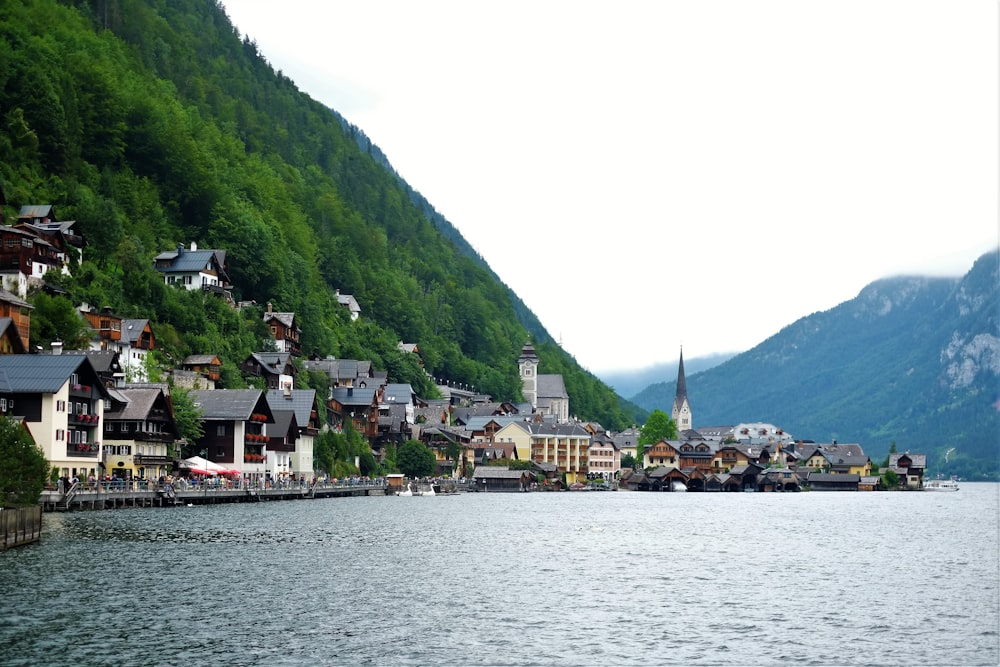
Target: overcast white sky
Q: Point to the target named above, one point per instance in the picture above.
(646, 175)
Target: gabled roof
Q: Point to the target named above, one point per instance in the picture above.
(287, 319)
(273, 362)
(36, 212)
(284, 421)
(132, 329)
(300, 401)
(14, 300)
(45, 373)
(192, 261)
(224, 404)
(105, 362)
(139, 403)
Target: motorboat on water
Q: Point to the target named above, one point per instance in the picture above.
(940, 485)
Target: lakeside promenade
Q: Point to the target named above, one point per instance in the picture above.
(118, 494)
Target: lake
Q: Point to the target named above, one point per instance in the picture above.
(615, 578)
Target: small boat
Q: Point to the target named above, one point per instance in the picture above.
(940, 485)
(678, 485)
(405, 491)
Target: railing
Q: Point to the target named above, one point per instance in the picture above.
(85, 449)
(80, 418)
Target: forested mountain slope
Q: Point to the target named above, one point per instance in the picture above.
(913, 361)
(152, 123)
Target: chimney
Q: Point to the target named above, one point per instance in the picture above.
(180, 248)
(56, 347)
(194, 246)
(288, 391)
(269, 307)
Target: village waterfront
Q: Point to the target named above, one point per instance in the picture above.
(516, 579)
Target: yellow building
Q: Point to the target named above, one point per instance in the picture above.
(566, 446)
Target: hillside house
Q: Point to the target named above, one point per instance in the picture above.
(199, 371)
(276, 368)
(350, 303)
(194, 269)
(357, 405)
(285, 331)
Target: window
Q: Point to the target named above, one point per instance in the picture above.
(220, 429)
(60, 434)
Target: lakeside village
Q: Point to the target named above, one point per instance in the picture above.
(99, 421)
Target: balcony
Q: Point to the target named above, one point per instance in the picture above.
(80, 418)
(83, 449)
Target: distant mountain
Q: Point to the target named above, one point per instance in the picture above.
(913, 361)
(631, 382)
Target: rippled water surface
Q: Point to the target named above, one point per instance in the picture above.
(516, 579)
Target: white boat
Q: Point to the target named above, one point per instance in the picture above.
(405, 491)
(940, 485)
(678, 485)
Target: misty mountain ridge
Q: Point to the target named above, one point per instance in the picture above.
(912, 361)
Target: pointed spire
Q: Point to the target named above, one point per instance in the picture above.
(682, 390)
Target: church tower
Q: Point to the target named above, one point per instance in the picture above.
(681, 411)
(528, 365)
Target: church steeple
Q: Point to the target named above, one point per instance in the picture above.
(681, 411)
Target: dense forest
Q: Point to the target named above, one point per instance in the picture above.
(153, 123)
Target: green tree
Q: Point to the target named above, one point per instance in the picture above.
(415, 459)
(659, 426)
(55, 319)
(187, 416)
(23, 467)
(628, 461)
(890, 479)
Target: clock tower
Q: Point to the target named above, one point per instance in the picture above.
(528, 365)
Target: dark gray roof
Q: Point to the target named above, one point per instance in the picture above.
(273, 362)
(45, 373)
(224, 404)
(288, 319)
(138, 406)
(551, 386)
(132, 329)
(191, 261)
(14, 299)
(300, 401)
(397, 393)
(35, 211)
(200, 359)
(353, 396)
(283, 420)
